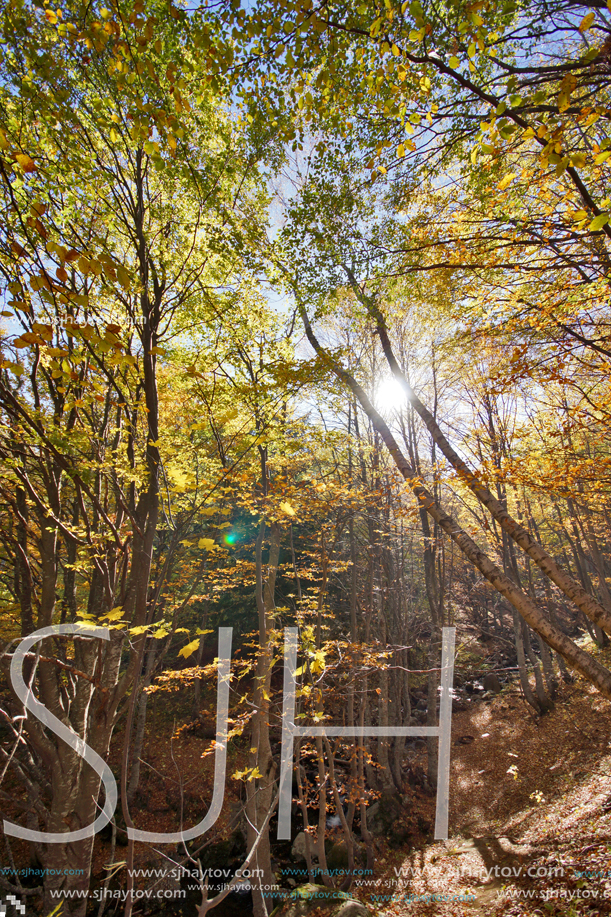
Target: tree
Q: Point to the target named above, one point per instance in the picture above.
(123, 182)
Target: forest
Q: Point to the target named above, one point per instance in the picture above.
(305, 352)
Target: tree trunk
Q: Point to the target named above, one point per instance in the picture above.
(260, 789)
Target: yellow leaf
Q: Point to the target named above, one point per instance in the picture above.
(599, 221)
(586, 22)
(506, 181)
(400, 151)
(602, 157)
(287, 508)
(178, 478)
(26, 162)
(114, 615)
(206, 543)
(123, 276)
(189, 649)
(454, 62)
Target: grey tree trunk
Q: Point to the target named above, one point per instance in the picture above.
(260, 790)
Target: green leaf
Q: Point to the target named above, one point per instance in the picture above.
(454, 62)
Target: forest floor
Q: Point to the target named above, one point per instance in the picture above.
(530, 816)
(530, 812)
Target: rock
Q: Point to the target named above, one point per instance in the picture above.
(352, 909)
(310, 897)
(337, 858)
(491, 683)
(474, 687)
(298, 850)
(383, 813)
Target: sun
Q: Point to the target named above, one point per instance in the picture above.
(389, 395)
